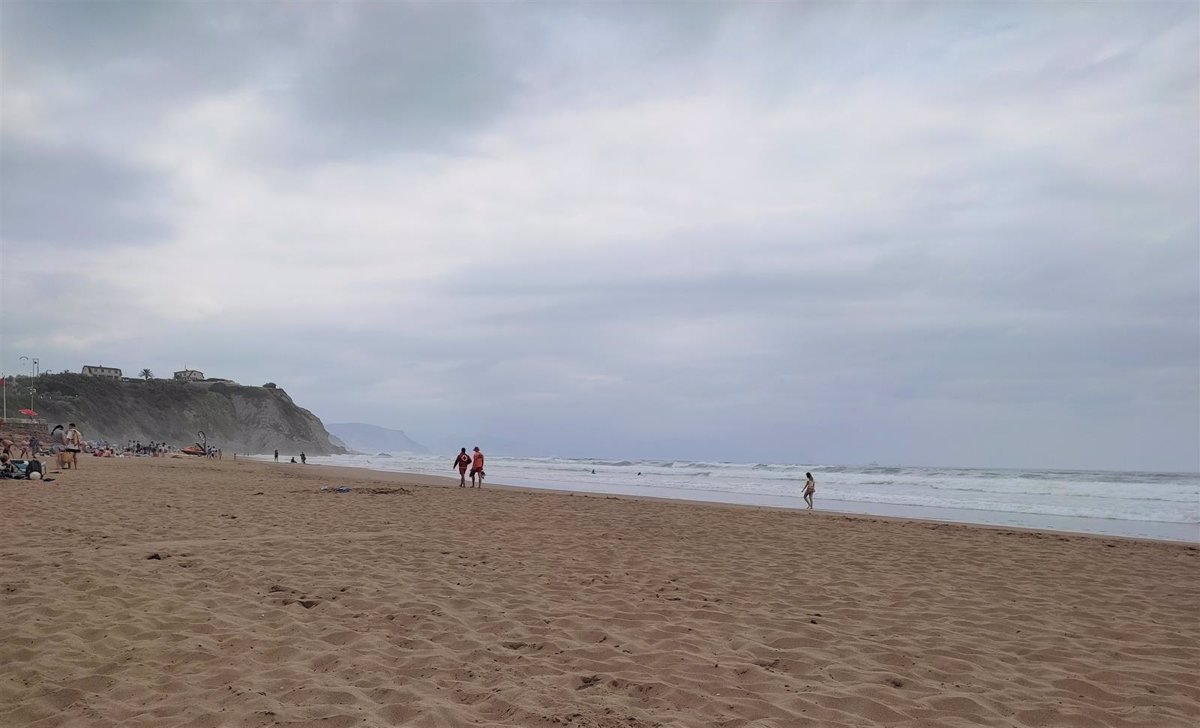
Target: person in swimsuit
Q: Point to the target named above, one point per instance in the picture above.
(810, 487)
(461, 461)
(477, 468)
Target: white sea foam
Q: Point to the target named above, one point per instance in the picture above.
(1112, 502)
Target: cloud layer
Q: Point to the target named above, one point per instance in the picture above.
(934, 234)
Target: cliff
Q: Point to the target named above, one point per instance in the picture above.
(235, 418)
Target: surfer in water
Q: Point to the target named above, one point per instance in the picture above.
(810, 487)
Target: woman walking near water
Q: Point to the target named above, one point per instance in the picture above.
(810, 487)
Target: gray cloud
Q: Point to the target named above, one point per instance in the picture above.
(77, 197)
(396, 78)
(946, 234)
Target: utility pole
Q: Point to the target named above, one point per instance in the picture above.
(33, 364)
(30, 380)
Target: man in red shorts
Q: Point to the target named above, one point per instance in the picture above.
(477, 468)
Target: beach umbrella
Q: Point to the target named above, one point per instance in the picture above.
(29, 412)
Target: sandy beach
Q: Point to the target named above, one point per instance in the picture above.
(162, 592)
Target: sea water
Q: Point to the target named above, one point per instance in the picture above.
(1151, 505)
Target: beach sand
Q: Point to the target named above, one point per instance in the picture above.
(159, 592)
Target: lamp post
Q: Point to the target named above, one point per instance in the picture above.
(33, 363)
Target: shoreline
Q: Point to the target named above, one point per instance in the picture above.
(1179, 533)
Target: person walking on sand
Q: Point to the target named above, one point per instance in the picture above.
(810, 487)
(303, 459)
(276, 456)
(461, 461)
(477, 468)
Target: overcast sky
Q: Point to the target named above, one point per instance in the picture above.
(960, 234)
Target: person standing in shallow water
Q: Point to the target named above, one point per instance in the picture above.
(810, 487)
(461, 461)
(276, 456)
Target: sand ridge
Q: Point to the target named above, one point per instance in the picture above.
(198, 593)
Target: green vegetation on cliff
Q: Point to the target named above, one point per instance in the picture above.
(235, 418)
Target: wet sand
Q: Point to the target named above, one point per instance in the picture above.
(157, 592)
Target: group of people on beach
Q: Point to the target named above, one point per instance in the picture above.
(65, 444)
(153, 449)
(474, 461)
(462, 461)
(20, 448)
(303, 458)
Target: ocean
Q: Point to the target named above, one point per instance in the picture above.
(1147, 505)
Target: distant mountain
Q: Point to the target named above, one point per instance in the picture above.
(373, 439)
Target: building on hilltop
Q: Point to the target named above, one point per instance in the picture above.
(189, 375)
(102, 372)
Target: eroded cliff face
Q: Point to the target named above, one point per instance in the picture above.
(235, 418)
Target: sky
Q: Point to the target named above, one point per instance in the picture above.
(927, 234)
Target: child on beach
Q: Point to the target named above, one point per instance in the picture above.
(810, 487)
